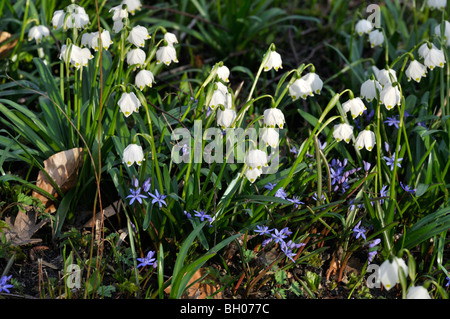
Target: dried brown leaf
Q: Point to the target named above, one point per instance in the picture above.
(22, 228)
(63, 168)
(5, 45)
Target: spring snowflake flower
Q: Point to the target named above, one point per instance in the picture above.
(38, 32)
(388, 273)
(416, 71)
(437, 4)
(129, 103)
(376, 38)
(148, 260)
(366, 139)
(133, 153)
(166, 55)
(355, 106)
(223, 73)
(274, 117)
(118, 15)
(386, 76)
(158, 198)
(252, 174)
(77, 17)
(92, 40)
(343, 132)
(219, 96)
(363, 26)
(4, 286)
(77, 56)
(314, 81)
(170, 38)
(225, 118)
(300, 88)
(136, 57)
(273, 61)
(369, 90)
(434, 57)
(132, 5)
(446, 37)
(390, 96)
(144, 78)
(417, 292)
(256, 159)
(138, 35)
(270, 137)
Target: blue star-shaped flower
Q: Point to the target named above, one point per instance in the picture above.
(136, 195)
(147, 260)
(158, 198)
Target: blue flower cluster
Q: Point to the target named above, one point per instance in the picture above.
(136, 194)
(279, 236)
(281, 193)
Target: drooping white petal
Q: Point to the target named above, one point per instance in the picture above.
(390, 96)
(415, 71)
(376, 38)
(314, 81)
(365, 139)
(355, 106)
(363, 26)
(133, 153)
(138, 35)
(136, 56)
(300, 89)
(144, 78)
(270, 137)
(369, 90)
(129, 103)
(166, 55)
(274, 117)
(343, 132)
(273, 61)
(38, 32)
(225, 118)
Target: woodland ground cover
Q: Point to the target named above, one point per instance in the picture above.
(225, 149)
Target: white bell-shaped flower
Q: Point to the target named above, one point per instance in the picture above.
(133, 153)
(388, 273)
(77, 56)
(314, 81)
(92, 40)
(144, 78)
(363, 26)
(300, 89)
(355, 106)
(138, 35)
(376, 38)
(256, 159)
(417, 292)
(38, 32)
(416, 71)
(170, 38)
(369, 90)
(129, 103)
(437, 4)
(386, 76)
(166, 55)
(252, 174)
(390, 96)
(77, 17)
(273, 61)
(434, 58)
(270, 137)
(119, 13)
(132, 5)
(425, 48)
(136, 56)
(223, 73)
(219, 96)
(274, 117)
(225, 118)
(365, 139)
(446, 37)
(343, 132)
